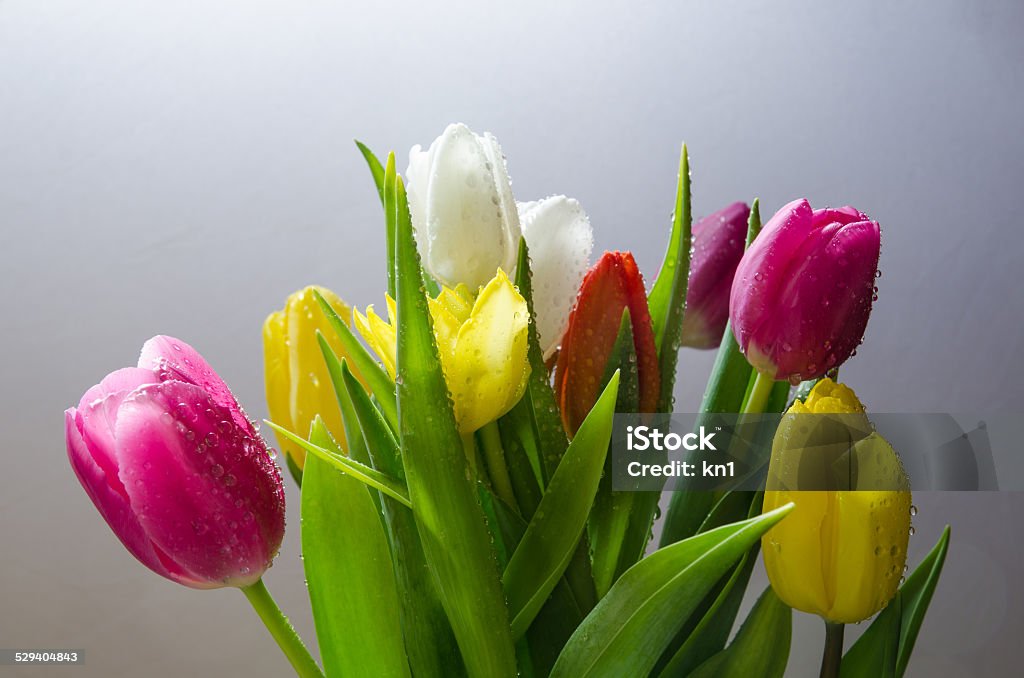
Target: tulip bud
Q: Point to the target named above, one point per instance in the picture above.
(298, 385)
(467, 226)
(839, 554)
(481, 342)
(463, 213)
(558, 234)
(802, 293)
(718, 241)
(612, 285)
(177, 470)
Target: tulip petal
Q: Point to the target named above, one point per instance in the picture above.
(111, 500)
(560, 239)
(718, 241)
(311, 391)
(172, 358)
(418, 177)
(470, 214)
(204, 488)
(613, 284)
(490, 369)
(827, 299)
(277, 381)
(97, 415)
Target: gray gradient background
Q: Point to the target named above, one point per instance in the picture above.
(182, 169)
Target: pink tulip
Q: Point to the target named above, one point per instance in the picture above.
(177, 470)
(718, 241)
(803, 291)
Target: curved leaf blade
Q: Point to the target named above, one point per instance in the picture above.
(761, 646)
(630, 628)
(868, 655)
(449, 518)
(552, 535)
(347, 563)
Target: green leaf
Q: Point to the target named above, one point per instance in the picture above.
(384, 179)
(724, 394)
(429, 641)
(553, 534)
(377, 378)
(630, 628)
(449, 517)
(667, 300)
(868, 655)
(361, 472)
(702, 637)
(353, 431)
(376, 168)
(609, 518)
(348, 572)
(540, 397)
(761, 646)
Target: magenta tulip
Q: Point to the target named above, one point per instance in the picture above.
(177, 470)
(803, 291)
(718, 241)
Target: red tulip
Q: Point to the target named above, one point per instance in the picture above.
(613, 284)
(177, 470)
(803, 291)
(718, 241)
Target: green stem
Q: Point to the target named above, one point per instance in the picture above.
(282, 631)
(472, 454)
(833, 655)
(494, 456)
(759, 393)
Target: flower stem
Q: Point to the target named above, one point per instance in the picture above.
(833, 655)
(282, 631)
(759, 392)
(494, 457)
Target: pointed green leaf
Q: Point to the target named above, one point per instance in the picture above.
(868, 655)
(348, 572)
(353, 431)
(630, 628)
(724, 393)
(376, 169)
(361, 472)
(449, 518)
(761, 646)
(667, 300)
(429, 641)
(701, 638)
(377, 379)
(540, 397)
(554, 532)
(609, 518)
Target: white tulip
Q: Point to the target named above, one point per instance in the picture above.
(560, 241)
(460, 198)
(467, 226)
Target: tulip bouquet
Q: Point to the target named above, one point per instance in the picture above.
(458, 514)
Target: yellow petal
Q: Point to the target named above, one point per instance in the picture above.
(838, 554)
(446, 332)
(378, 344)
(456, 304)
(275, 379)
(490, 369)
(386, 340)
(311, 391)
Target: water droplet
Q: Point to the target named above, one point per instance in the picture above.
(216, 470)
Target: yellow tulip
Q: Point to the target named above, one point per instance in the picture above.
(298, 385)
(840, 553)
(482, 343)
